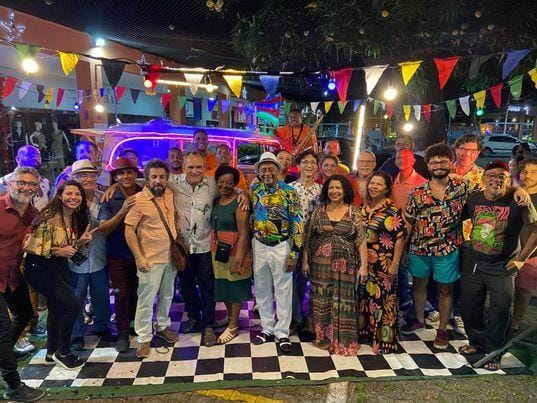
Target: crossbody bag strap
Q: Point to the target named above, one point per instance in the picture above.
(163, 220)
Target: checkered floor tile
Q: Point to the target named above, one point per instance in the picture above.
(189, 361)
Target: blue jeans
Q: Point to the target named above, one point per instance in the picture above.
(100, 299)
(199, 306)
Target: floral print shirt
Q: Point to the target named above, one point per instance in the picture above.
(437, 224)
(308, 197)
(194, 206)
(276, 214)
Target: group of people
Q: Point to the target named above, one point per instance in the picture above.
(355, 237)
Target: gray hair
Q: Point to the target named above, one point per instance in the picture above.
(25, 171)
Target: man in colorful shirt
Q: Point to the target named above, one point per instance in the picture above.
(294, 137)
(308, 196)
(434, 223)
(493, 257)
(277, 240)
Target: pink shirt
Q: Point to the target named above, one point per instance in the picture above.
(152, 236)
(401, 189)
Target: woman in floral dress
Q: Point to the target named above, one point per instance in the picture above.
(335, 258)
(379, 311)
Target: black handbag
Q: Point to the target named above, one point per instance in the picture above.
(223, 249)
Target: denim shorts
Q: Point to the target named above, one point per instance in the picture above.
(445, 269)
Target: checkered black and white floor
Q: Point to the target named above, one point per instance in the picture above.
(189, 361)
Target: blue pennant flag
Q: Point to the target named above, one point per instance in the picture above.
(512, 59)
(270, 83)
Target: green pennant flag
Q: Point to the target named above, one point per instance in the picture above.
(181, 101)
(27, 50)
(376, 104)
(286, 107)
(341, 105)
(452, 107)
(515, 86)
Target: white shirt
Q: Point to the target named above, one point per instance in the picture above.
(194, 206)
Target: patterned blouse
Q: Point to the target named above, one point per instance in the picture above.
(437, 224)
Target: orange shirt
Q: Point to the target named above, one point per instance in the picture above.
(291, 137)
(152, 236)
(402, 189)
(210, 161)
(242, 185)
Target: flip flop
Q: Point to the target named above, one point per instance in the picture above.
(227, 335)
(468, 349)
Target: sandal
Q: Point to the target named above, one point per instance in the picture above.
(468, 350)
(224, 322)
(285, 345)
(492, 365)
(262, 338)
(227, 335)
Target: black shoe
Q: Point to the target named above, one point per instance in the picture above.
(23, 393)
(191, 325)
(69, 361)
(285, 345)
(49, 359)
(104, 334)
(122, 344)
(77, 343)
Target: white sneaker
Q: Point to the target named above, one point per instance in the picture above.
(23, 345)
(433, 319)
(458, 325)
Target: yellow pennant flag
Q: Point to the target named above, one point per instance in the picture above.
(235, 84)
(406, 110)
(480, 98)
(68, 61)
(327, 106)
(533, 75)
(408, 69)
(48, 96)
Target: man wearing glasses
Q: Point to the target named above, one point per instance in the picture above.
(30, 156)
(434, 225)
(365, 165)
(467, 149)
(16, 216)
(493, 257)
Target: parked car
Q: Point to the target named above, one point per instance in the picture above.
(501, 144)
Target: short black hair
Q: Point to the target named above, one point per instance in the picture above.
(348, 192)
(155, 163)
(128, 150)
(200, 131)
(527, 161)
(226, 169)
(469, 138)
(91, 143)
(304, 154)
(222, 145)
(329, 156)
(439, 150)
(174, 149)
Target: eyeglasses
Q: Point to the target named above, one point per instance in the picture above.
(438, 163)
(21, 184)
(306, 162)
(468, 150)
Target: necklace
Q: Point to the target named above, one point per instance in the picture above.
(294, 139)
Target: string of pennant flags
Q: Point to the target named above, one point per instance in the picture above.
(114, 68)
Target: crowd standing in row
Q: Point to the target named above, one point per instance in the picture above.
(355, 237)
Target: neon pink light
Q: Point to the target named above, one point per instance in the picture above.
(231, 141)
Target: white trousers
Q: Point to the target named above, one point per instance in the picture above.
(269, 272)
(161, 280)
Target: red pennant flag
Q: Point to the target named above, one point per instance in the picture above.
(496, 93)
(445, 68)
(59, 97)
(389, 110)
(426, 109)
(343, 78)
(9, 85)
(165, 99)
(120, 90)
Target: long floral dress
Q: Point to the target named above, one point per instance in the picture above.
(379, 310)
(334, 260)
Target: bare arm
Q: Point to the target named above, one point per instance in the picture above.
(362, 273)
(242, 218)
(107, 226)
(134, 246)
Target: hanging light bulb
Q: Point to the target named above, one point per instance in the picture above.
(147, 82)
(390, 93)
(331, 84)
(29, 65)
(99, 108)
(407, 127)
